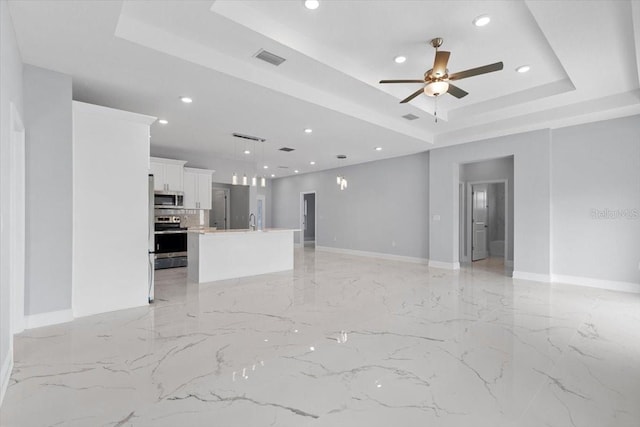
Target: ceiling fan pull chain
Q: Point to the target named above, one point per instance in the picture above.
(435, 108)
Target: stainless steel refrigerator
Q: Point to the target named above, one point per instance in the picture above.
(151, 243)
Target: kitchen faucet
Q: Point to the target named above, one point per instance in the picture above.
(252, 225)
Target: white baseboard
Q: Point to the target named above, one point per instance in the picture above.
(5, 373)
(534, 277)
(597, 283)
(46, 319)
(444, 265)
(380, 255)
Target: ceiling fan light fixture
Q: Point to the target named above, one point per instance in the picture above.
(523, 68)
(436, 88)
(481, 21)
(311, 4)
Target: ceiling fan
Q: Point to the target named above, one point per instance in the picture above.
(437, 80)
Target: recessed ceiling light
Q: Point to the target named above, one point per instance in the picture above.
(378, 148)
(186, 99)
(296, 171)
(523, 68)
(312, 163)
(311, 4)
(400, 59)
(482, 20)
(273, 175)
(163, 121)
(247, 152)
(265, 167)
(308, 130)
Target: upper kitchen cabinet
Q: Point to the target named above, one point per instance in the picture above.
(168, 174)
(197, 188)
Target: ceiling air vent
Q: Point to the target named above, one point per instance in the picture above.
(269, 57)
(249, 137)
(287, 149)
(410, 116)
(283, 167)
(341, 156)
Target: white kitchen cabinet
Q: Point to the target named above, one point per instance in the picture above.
(197, 188)
(110, 262)
(168, 174)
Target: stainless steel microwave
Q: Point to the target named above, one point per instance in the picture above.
(168, 200)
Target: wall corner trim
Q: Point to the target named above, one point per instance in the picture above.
(380, 255)
(534, 277)
(5, 373)
(48, 318)
(444, 265)
(611, 285)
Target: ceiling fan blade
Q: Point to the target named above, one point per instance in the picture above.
(413, 95)
(440, 63)
(476, 71)
(401, 81)
(456, 91)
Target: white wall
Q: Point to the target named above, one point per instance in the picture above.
(110, 209)
(595, 168)
(47, 117)
(384, 209)
(10, 93)
(532, 243)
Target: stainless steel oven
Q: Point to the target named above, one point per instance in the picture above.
(170, 242)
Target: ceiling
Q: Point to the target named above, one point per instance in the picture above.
(143, 55)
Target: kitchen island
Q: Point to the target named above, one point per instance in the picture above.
(227, 254)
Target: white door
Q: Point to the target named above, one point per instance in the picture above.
(479, 221)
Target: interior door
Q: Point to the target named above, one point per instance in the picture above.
(479, 224)
(219, 209)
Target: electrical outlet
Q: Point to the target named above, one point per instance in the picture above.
(393, 243)
(335, 239)
(436, 217)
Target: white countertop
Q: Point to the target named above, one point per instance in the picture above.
(208, 230)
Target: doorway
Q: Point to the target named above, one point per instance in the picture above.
(17, 221)
(220, 208)
(308, 210)
(487, 223)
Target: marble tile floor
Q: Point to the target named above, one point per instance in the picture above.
(340, 341)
